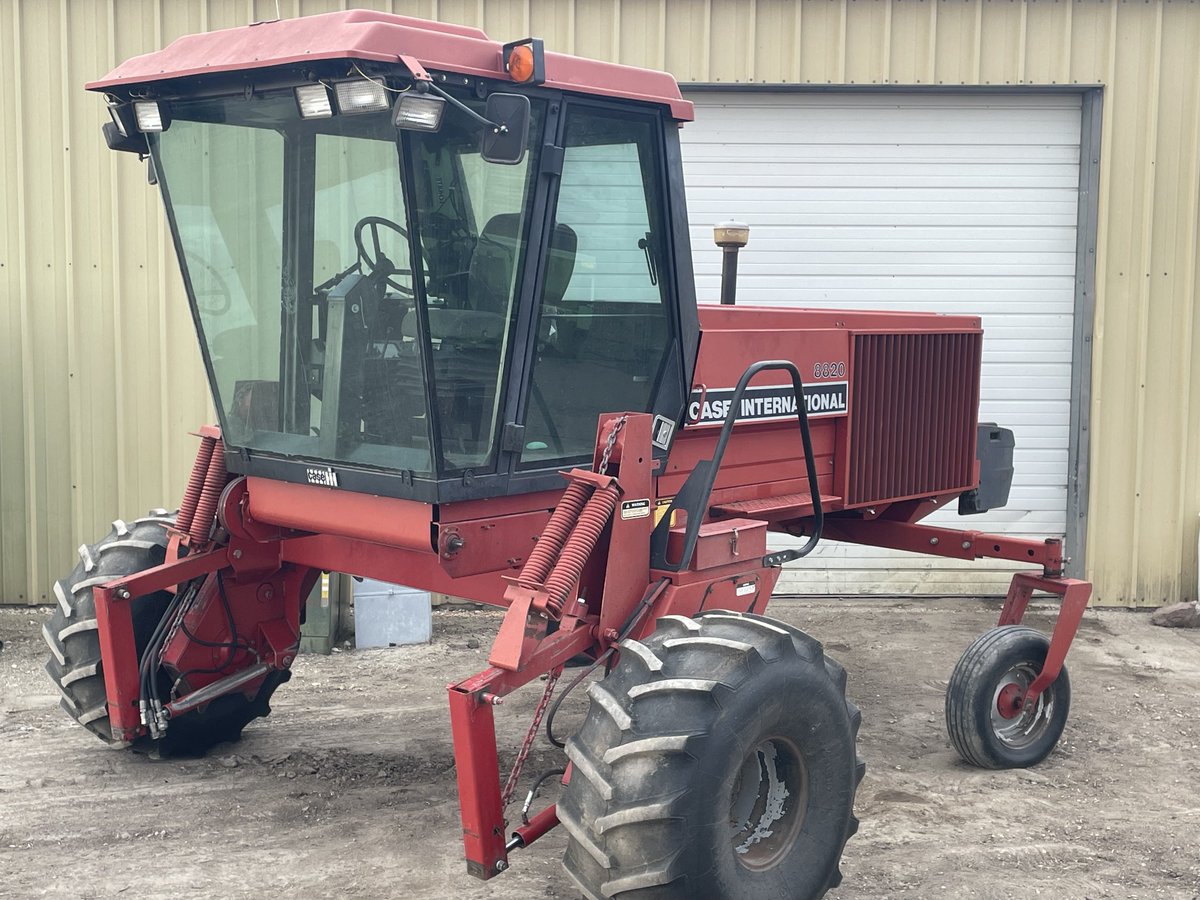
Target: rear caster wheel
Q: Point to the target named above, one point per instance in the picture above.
(987, 725)
(717, 762)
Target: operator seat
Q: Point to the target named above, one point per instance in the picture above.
(468, 342)
(490, 278)
(490, 283)
(492, 269)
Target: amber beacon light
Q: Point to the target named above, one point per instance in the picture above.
(525, 61)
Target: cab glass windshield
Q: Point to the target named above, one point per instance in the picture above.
(353, 284)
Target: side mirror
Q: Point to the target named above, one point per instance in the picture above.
(507, 141)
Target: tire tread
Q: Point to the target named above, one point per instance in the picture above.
(972, 666)
(634, 752)
(71, 633)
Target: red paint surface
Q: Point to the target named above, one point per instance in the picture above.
(762, 482)
(1075, 595)
(381, 37)
(386, 520)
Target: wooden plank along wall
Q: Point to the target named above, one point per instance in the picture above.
(100, 378)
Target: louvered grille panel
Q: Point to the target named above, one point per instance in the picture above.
(914, 401)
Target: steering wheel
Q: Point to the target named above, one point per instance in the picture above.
(373, 263)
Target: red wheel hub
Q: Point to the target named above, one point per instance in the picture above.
(1010, 701)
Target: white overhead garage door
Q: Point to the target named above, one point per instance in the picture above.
(953, 203)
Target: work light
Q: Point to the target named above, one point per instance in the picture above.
(418, 113)
(314, 102)
(150, 116)
(122, 117)
(355, 97)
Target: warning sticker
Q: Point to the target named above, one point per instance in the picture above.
(635, 509)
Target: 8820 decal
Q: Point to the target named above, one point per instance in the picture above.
(829, 370)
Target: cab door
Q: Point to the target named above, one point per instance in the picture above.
(606, 323)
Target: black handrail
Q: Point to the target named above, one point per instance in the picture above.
(693, 497)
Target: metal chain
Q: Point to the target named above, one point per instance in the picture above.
(608, 447)
(510, 786)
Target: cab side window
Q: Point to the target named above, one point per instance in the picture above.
(603, 325)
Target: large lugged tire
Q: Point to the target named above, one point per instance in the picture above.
(984, 727)
(72, 634)
(717, 762)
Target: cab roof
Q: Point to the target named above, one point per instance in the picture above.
(381, 37)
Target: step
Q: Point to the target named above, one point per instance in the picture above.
(784, 506)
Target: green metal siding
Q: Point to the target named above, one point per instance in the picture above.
(100, 379)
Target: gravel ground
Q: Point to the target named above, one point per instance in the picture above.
(348, 789)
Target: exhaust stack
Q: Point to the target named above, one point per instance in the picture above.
(731, 237)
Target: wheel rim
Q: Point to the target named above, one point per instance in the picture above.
(1020, 726)
(767, 804)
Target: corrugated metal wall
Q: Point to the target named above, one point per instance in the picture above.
(98, 369)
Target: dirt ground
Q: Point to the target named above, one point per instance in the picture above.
(348, 789)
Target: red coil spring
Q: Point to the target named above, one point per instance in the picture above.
(547, 548)
(206, 508)
(578, 547)
(187, 509)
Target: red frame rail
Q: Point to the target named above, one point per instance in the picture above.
(615, 592)
(114, 619)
